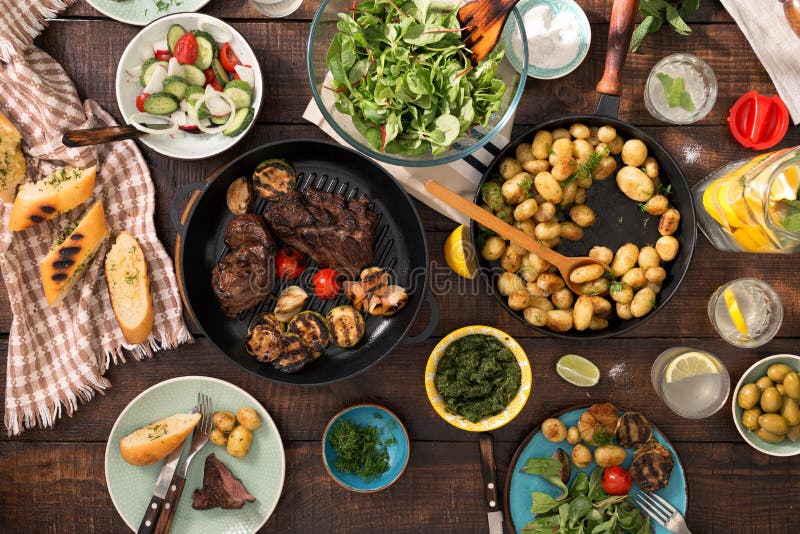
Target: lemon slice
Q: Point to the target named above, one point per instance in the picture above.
(785, 186)
(689, 365)
(736, 314)
(459, 253)
(577, 370)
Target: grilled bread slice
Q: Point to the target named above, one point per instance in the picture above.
(129, 288)
(43, 200)
(72, 253)
(153, 442)
(12, 162)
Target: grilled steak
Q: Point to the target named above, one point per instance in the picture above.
(652, 466)
(633, 430)
(220, 488)
(244, 277)
(333, 231)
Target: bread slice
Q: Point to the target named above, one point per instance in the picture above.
(129, 288)
(43, 200)
(12, 162)
(153, 442)
(72, 253)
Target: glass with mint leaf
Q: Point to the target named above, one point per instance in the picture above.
(681, 89)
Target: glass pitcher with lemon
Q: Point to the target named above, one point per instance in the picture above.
(752, 205)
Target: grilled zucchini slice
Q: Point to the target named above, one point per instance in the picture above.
(267, 319)
(633, 430)
(347, 326)
(313, 328)
(295, 355)
(274, 178)
(265, 343)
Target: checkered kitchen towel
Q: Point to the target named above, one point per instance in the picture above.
(57, 356)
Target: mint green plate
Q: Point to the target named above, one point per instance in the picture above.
(141, 12)
(261, 471)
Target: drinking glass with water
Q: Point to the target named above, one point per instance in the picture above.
(693, 383)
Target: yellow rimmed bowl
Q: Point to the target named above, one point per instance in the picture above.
(510, 411)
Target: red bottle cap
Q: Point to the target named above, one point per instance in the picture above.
(758, 121)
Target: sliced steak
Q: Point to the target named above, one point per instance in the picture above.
(248, 230)
(220, 488)
(333, 231)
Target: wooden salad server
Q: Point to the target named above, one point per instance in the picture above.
(482, 22)
(791, 8)
(564, 264)
(98, 136)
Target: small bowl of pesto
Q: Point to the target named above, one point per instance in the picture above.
(365, 448)
(478, 378)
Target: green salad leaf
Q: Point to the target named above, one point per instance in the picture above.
(401, 71)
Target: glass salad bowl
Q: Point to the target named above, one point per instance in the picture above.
(323, 30)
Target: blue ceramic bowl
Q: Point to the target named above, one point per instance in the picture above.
(786, 447)
(389, 426)
(512, 34)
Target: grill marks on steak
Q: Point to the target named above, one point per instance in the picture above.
(333, 231)
(244, 277)
(220, 488)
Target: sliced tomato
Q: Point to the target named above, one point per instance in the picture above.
(616, 480)
(185, 49)
(163, 55)
(325, 284)
(290, 263)
(140, 101)
(209, 72)
(228, 58)
(215, 84)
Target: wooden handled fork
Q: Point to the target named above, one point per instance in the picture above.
(482, 22)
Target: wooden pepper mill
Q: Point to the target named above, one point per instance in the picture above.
(791, 8)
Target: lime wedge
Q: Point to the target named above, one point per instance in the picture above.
(689, 365)
(577, 370)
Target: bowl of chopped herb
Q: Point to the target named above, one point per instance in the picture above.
(395, 80)
(478, 378)
(365, 448)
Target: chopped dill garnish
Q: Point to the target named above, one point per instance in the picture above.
(359, 449)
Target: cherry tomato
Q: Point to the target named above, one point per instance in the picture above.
(325, 284)
(185, 50)
(140, 101)
(616, 480)
(163, 55)
(209, 72)
(290, 263)
(228, 58)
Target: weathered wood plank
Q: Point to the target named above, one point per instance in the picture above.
(281, 49)
(732, 488)
(397, 382)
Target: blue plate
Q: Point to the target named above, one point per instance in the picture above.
(518, 491)
(511, 34)
(389, 426)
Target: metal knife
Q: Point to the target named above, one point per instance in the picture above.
(495, 514)
(148, 524)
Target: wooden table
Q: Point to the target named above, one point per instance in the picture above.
(53, 481)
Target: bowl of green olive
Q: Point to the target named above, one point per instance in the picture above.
(766, 405)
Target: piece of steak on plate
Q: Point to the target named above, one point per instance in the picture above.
(220, 488)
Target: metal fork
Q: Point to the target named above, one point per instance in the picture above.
(200, 437)
(662, 512)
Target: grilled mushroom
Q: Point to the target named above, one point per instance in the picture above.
(597, 424)
(264, 342)
(274, 178)
(295, 355)
(313, 328)
(562, 456)
(652, 466)
(347, 326)
(633, 430)
(374, 295)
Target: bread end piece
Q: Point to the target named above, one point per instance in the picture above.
(12, 161)
(72, 253)
(153, 442)
(129, 288)
(61, 191)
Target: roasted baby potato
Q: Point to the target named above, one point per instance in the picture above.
(248, 418)
(239, 441)
(224, 421)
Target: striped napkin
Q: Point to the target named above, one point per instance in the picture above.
(461, 176)
(57, 356)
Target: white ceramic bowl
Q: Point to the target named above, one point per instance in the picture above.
(181, 145)
(756, 371)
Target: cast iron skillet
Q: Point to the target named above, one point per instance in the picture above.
(400, 246)
(619, 219)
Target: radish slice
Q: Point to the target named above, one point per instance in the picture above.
(204, 122)
(201, 123)
(161, 46)
(145, 52)
(216, 106)
(137, 117)
(180, 118)
(155, 85)
(174, 67)
(246, 73)
(219, 33)
(185, 107)
(134, 71)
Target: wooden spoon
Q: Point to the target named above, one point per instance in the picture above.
(98, 136)
(481, 23)
(564, 264)
(791, 8)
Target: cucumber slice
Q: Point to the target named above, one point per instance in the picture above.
(240, 92)
(193, 93)
(193, 75)
(175, 85)
(174, 33)
(206, 49)
(161, 104)
(219, 121)
(219, 72)
(148, 68)
(240, 122)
